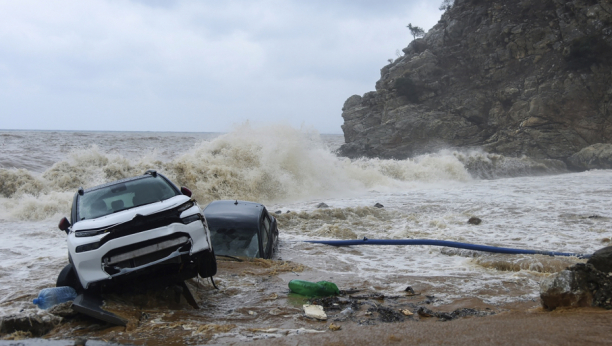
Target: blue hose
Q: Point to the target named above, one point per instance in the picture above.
(366, 241)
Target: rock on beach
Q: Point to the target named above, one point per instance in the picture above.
(583, 284)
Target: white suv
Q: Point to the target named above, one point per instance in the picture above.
(142, 227)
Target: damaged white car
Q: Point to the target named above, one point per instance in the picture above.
(143, 228)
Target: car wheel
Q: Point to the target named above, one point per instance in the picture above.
(207, 265)
(68, 277)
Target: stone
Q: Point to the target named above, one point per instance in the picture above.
(425, 312)
(602, 259)
(80, 342)
(389, 315)
(378, 205)
(334, 327)
(38, 325)
(474, 221)
(322, 205)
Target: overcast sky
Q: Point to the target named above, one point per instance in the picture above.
(163, 65)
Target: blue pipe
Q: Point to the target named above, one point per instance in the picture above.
(366, 241)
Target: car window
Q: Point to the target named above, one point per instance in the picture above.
(124, 195)
(231, 241)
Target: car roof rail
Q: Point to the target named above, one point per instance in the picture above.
(151, 172)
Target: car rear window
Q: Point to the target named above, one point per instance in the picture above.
(235, 241)
(124, 195)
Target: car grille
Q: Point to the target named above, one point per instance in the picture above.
(140, 254)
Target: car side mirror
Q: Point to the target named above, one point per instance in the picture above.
(185, 191)
(64, 224)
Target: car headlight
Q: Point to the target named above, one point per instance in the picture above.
(88, 247)
(185, 206)
(190, 218)
(89, 233)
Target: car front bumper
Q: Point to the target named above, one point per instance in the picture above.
(140, 248)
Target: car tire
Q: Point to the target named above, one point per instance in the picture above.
(68, 277)
(207, 264)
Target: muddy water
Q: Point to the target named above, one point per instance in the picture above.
(253, 304)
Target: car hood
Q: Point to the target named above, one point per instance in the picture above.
(128, 214)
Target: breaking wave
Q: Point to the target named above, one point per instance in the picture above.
(272, 164)
(490, 166)
(537, 263)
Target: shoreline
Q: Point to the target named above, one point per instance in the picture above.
(254, 305)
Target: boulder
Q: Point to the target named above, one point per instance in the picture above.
(563, 289)
(596, 156)
(602, 260)
(578, 286)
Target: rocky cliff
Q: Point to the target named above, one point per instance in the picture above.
(531, 77)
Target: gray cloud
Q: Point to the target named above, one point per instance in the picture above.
(194, 65)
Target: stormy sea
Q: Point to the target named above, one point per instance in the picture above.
(522, 203)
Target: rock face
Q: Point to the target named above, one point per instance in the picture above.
(531, 77)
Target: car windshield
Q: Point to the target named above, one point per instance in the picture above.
(123, 195)
(235, 241)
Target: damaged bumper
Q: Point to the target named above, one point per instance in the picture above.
(136, 252)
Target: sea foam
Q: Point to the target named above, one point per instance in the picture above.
(266, 164)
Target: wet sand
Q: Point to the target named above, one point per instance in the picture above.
(569, 327)
(254, 305)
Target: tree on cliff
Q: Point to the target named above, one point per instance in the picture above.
(446, 4)
(415, 31)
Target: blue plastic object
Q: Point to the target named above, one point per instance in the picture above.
(366, 241)
(49, 297)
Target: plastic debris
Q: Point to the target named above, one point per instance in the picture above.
(315, 311)
(314, 289)
(52, 296)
